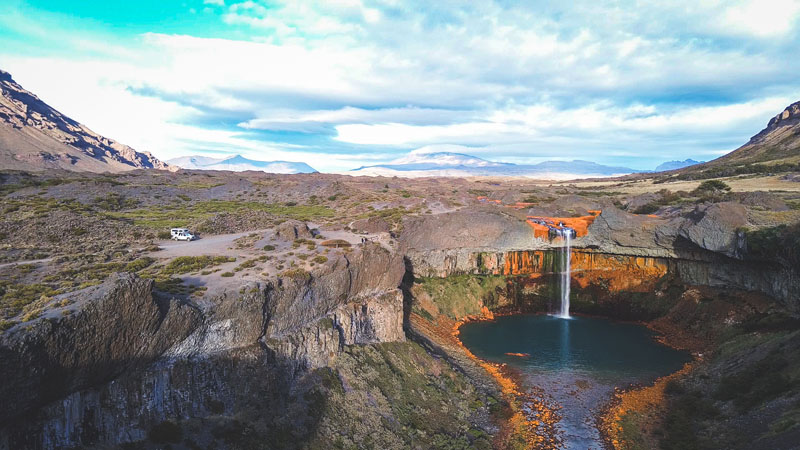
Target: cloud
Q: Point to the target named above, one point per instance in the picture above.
(760, 19)
(509, 80)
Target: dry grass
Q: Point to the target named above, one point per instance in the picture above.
(737, 184)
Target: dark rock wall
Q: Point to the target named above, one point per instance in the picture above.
(125, 361)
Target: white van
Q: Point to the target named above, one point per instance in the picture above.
(181, 234)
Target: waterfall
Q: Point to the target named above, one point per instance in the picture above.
(565, 275)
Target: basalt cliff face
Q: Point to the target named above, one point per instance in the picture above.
(621, 253)
(122, 362)
(693, 278)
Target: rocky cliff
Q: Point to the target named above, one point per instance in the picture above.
(778, 142)
(123, 362)
(707, 247)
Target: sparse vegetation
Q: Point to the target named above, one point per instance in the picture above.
(166, 216)
(187, 264)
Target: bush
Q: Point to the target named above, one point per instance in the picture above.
(648, 208)
(712, 186)
(320, 259)
(139, 264)
(164, 235)
(781, 242)
(186, 264)
(226, 274)
(296, 274)
(756, 384)
(115, 202)
(6, 324)
(269, 248)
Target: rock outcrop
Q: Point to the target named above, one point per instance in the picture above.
(116, 327)
(293, 229)
(125, 361)
(778, 142)
(371, 225)
(717, 228)
(705, 248)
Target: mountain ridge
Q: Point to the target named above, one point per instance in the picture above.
(35, 136)
(453, 164)
(777, 143)
(238, 163)
(674, 165)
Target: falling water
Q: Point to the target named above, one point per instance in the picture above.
(565, 275)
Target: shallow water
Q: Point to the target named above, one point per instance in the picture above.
(578, 362)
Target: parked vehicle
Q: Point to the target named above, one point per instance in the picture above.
(182, 234)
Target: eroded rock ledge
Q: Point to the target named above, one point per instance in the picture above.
(123, 361)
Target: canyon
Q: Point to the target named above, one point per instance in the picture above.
(271, 361)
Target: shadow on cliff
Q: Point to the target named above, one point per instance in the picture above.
(408, 298)
(247, 398)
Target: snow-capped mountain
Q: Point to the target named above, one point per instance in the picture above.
(421, 163)
(239, 163)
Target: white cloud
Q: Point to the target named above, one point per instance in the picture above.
(762, 19)
(508, 80)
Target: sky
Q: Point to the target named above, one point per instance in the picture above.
(340, 84)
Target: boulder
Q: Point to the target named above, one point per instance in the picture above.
(637, 201)
(293, 229)
(371, 225)
(716, 228)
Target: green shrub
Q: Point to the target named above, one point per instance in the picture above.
(320, 259)
(781, 242)
(648, 208)
(712, 186)
(756, 384)
(226, 274)
(139, 264)
(269, 248)
(6, 324)
(32, 315)
(115, 202)
(296, 274)
(186, 264)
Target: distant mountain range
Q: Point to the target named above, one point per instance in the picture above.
(674, 165)
(420, 163)
(35, 137)
(239, 163)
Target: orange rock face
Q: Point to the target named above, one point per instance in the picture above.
(579, 224)
(617, 272)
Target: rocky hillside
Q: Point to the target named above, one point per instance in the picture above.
(778, 142)
(34, 136)
(776, 148)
